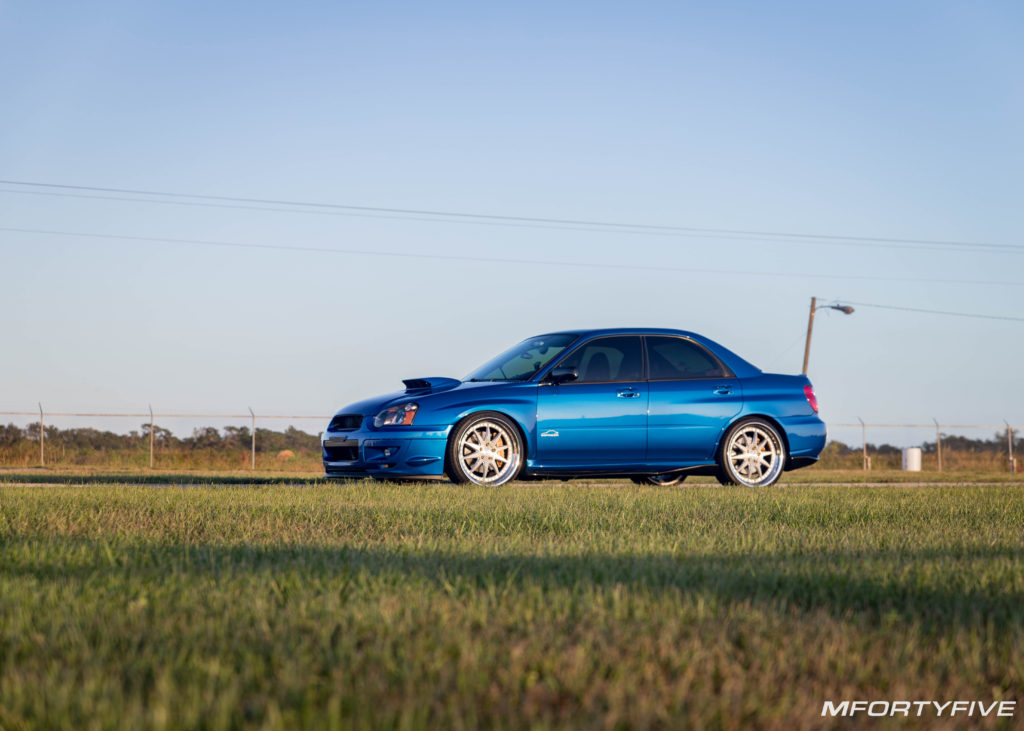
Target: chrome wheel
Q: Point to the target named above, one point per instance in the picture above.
(487, 453)
(754, 455)
(665, 480)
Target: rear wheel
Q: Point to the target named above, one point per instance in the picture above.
(485, 450)
(665, 480)
(752, 454)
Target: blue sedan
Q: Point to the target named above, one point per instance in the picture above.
(647, 404)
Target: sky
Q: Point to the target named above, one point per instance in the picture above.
(871, 119)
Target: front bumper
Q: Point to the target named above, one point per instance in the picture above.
(384, 453)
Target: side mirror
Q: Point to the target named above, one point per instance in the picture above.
(563, 374)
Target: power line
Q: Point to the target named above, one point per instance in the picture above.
(936, 312)
(561, 222)
(501, 224)
(351, 214)
(504, 260)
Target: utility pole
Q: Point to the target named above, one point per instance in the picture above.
(253, 463)
(810, 327)
(151, 436)
(845, 309)
(938, 443)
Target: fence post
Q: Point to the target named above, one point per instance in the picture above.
(864, 445)
(938, 442)
(42, 437)
(151, 436)
(1009, 445)
(253, 463)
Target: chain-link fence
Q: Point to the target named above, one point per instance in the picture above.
(873, 437)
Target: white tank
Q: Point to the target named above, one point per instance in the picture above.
(912, 459)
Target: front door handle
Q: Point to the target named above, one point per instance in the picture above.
(723, 390)
(628, 394)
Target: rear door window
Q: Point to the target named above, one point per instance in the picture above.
(608, 360)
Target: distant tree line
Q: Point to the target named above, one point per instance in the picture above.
(951, 443)
(230, 437)
(996, 445)
(957, 453)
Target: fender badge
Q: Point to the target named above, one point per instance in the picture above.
(549, 433)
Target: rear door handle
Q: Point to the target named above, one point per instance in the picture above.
(723, 390)
(628, 394)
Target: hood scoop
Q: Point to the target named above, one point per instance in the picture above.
(430, 384)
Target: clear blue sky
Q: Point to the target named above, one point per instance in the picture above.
(871, 119)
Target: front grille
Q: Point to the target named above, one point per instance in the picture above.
(346, 453)
(345, 422)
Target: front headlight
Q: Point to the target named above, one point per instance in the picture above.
(401, 415)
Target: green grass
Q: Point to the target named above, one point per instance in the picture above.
(581, 604)
(79, 475)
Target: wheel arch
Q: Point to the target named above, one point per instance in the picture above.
(481, 411)
(747, 417)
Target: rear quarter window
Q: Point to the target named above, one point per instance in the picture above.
(672, 359)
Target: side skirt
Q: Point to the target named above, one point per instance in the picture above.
(541, 473)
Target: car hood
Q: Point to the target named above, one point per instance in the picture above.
(416, 390)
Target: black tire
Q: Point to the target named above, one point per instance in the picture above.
(666, 480)
(746, 440)
(495, 438)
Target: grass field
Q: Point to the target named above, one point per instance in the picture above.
(82, 475)
(580, 604)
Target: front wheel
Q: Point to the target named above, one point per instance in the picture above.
(752, 454)
(485, 450)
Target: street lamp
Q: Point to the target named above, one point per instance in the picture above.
(845, 309)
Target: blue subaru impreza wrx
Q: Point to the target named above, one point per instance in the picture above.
(652, 405)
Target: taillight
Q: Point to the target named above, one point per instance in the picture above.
(811, 398)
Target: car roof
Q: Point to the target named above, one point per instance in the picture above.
(740, 366)
(624, 331)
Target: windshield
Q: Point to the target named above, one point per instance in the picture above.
(523, 361)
